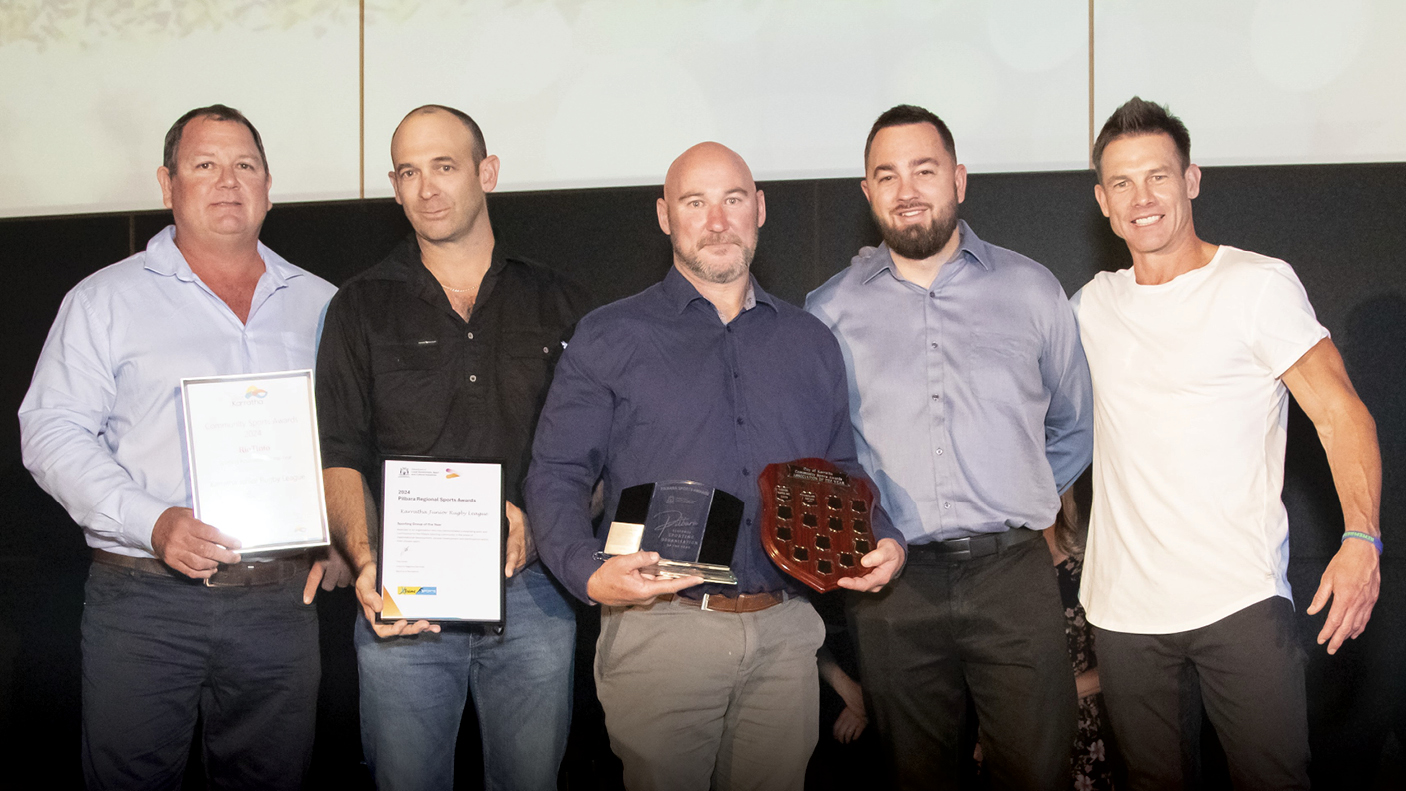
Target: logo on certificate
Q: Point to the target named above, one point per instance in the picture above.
(450, 473)
(417, 590)
(255, 391)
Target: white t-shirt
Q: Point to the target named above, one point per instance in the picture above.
(1189, 422)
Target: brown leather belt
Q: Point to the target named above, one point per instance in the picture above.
(239, 575)
(747, 602)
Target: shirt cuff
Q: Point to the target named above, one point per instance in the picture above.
(577, 567)
(139, 519)
(884, 528)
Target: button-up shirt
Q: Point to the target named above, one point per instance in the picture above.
(970, 398)
(101, 427)
(400, 373)
(657, 387)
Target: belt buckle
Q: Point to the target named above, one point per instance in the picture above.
(210, 581)
(704, 604)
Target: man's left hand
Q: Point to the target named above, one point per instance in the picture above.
(849, 725)
(521, 548)
(886, 559)
(331, 570)
(1352, 580)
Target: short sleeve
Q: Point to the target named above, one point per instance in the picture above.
(1284, 326)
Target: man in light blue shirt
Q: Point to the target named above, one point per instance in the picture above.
(970, 401)
(175, 626)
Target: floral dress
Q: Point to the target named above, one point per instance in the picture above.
(1091, 768)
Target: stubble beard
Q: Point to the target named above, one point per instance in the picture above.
(919, 242)
(710, 272)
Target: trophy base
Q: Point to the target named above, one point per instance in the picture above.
(708, 572)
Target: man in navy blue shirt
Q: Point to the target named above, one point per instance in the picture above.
(702, 377)
(972, 408)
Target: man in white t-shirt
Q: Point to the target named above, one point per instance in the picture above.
(1192, 351)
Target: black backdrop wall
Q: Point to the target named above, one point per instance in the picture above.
(1340, 226)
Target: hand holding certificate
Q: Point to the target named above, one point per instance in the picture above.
(255, 461)
(442, 548)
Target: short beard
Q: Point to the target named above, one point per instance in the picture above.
(712, 273)
(919, 242)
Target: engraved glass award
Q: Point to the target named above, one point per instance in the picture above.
(693, 527)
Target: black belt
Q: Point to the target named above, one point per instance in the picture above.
(238, 575)
(957, 550)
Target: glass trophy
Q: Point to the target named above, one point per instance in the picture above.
(693, 527)
(817, 521)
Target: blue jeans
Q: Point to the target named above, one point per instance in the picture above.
(413, 692)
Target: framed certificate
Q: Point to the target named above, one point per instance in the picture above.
(443, 540)
(255, 460)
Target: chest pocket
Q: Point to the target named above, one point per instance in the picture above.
(386, 358)
(411, 393)
(530, 346)
(528, 360)
(1003, 370)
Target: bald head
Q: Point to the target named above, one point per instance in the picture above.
(707, 160)
(711, 211)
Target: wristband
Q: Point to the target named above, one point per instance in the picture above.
(1376, 542)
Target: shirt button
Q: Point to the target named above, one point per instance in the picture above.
(946, 505)
(939, 451)
(545, 350)
(739, 421)
(749, 520)
(473, 378)
(934, 344)
(746, 471)
(471, 336)
(936, 397)
(932, 294)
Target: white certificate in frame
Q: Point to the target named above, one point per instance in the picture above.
(255, 459)
(443, 541)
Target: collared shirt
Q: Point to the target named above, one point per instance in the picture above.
(656, 387)
(101, 427)
(970, 398)
(400, 373)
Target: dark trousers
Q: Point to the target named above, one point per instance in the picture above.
(159, 650)
(1247, 669)
(993, 626)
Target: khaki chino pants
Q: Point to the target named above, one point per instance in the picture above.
(696, 699)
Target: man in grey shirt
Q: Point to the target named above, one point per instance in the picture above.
(970, 400)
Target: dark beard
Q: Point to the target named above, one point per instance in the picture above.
(919, 242)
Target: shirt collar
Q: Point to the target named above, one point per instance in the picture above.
(164, 258)
(407, 264)
(680, 293)
(874, 260)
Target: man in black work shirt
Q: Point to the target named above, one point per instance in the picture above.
(446, 348)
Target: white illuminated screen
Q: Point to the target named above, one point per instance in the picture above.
(1270, 82)
(607, 92)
